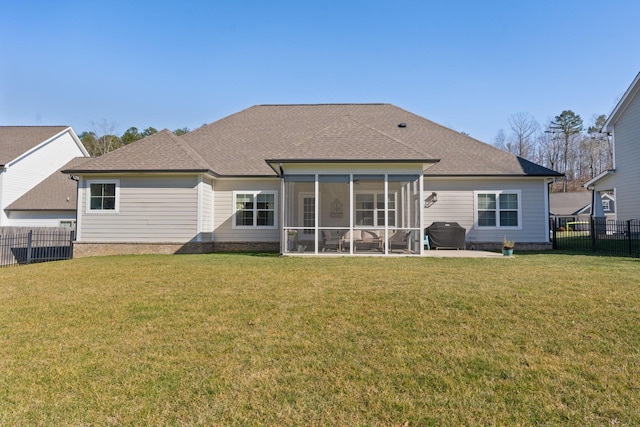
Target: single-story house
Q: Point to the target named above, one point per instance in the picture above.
(623, 180)
(311, 179)
(29, 155)
(576, 206)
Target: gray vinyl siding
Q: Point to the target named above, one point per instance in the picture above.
(225, 210)
(456, 204)
(152, 209)
(627, 154)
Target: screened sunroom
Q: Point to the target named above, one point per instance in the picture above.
(352, 213)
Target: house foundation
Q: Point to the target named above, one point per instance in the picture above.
(87, 249)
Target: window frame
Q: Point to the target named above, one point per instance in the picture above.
(116, 208)
(255, 210)
(497, 210)
(392, 213)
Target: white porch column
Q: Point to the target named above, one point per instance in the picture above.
(421, 210)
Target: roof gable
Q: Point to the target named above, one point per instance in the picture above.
(17, 140)
(570, 203)
(344, 139)
(162, 151)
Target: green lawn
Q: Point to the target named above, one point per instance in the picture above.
(242, 340)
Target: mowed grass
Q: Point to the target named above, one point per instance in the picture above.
(241, 340)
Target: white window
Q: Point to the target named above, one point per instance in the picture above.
(254, 209)
(605, 205)
(369, 209)
(103, 196)
(498, 209)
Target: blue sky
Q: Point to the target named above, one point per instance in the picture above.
(468, 65)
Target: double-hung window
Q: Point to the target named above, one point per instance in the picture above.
(103, 195)
(254, 209)
(498, 209)
(369, 209)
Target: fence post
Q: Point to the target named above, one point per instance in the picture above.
(593, 232)
(29, 242)
(72, 236)
(629, 238)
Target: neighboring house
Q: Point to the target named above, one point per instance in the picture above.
(576, 206)
(623, 180)
(338, 179)
(51, 203)
(28, 156)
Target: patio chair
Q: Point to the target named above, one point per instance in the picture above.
(369, 240)
(399, 240)
(346, 239)
(331, 241)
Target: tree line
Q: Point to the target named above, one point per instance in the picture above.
(103, 138)
(562, 144)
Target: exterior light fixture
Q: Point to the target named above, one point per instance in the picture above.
(429, 201)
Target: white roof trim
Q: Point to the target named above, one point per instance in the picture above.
(597, 178)
(622, 104)
(68, 130)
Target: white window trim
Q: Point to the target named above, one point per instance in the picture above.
(255, 217)
(377, 194)
(606, 205)
(88, 209)
(497, 226)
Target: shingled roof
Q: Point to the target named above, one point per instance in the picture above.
(55, 193)
(569, 203)
(240, 144)
(160, 152)
(17, 140)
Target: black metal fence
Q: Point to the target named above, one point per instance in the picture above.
(607, 237)
(37, 245)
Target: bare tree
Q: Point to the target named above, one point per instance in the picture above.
(105, 138)
(500, 140)
(524, 128)
(550, 145)
(601, 144)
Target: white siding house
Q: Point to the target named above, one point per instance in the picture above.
(337, 178)
(28, 156)
(624, 179)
